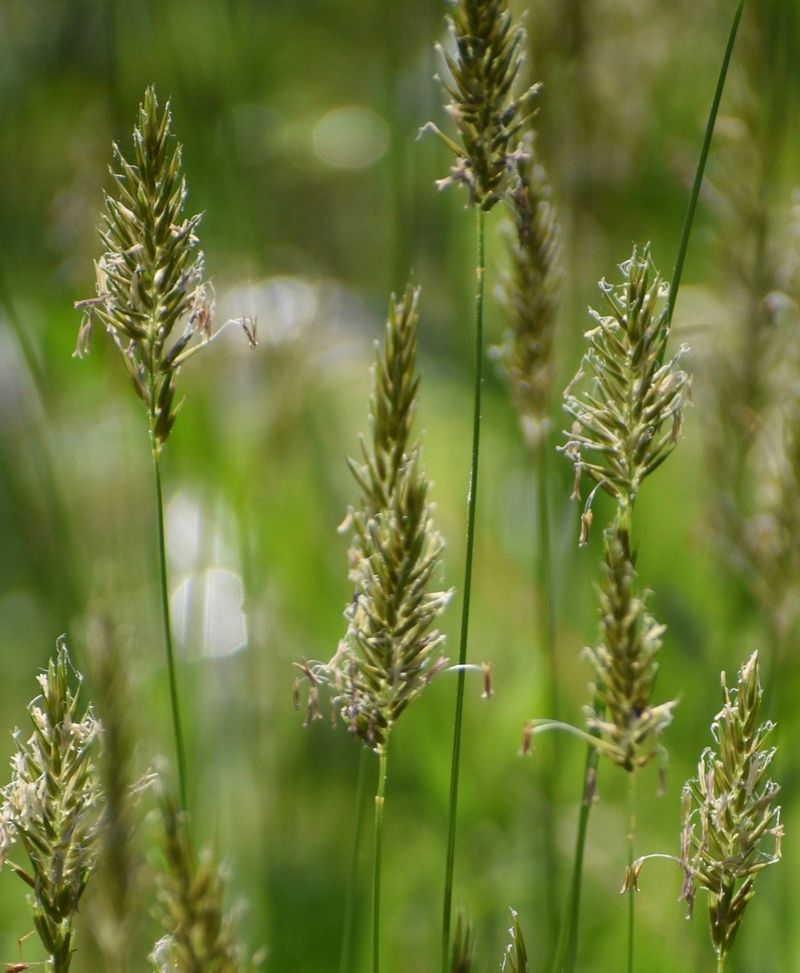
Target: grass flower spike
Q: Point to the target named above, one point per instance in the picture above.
(390, 650)
(150, 279)
(731, 826)
(515, 959)
(462, 958)
(488, 114)
(627, 422)
(393, 401)
(199, 933)
(531, 296)
(52, 808)
(625, 665)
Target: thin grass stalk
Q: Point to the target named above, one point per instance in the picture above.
(544, 576)
(180, 753)
(376, 865)
(545, 620)
(677, 273)
(348, 923)
(631, 858)
(462, 651)
(567, 950)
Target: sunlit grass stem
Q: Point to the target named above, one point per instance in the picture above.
(380, 795)
(180, 752)
(462, 652)
(677, 273)
(631, 892)
(567, 949)
(351, 896)
(545, 621)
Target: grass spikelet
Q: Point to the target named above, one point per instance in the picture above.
(390, 650)
(515, 959)
(52, 807)
(392, 404)
(463, 953)
(199, 933)
(530, 295)
(150, 279)
(627, 422)
(731, 825)
(624, 663)
(488, 114)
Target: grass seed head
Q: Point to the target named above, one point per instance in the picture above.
(462, 958)
(199, 933)
(515, 959)
(625, 663)
(53, 805)
(390, 650)
(484, 69)
(731, 825)
(530, 295)
(627, 421)
(152, 296)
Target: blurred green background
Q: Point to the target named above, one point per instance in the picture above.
(299, 123)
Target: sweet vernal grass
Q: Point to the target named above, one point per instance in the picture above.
(390, 650)
(52, 808)
(154, 302)
(566, 953)
(489, 115)
(731, 826)
(626, 402)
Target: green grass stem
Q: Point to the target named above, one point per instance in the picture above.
(567, 951)
(631, 892)
(462, 652)
(545, 622)
(376, 865)
(180, 753)
(688, 222)
(345, 960)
